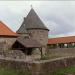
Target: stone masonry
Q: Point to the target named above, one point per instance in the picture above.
(7, 42)
(40, 35)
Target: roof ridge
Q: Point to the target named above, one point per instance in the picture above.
(6, 30)
(62, 37)
(6, 26)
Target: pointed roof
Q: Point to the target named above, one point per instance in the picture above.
(22, 29)
(32, 21)
(5, 31)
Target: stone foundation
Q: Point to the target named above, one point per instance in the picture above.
(45, 66)
(38, 67)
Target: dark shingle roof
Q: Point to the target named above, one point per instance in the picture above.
(28, 42)
(32, 21)
(22, 28)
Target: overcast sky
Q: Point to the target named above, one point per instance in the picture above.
(58, 16)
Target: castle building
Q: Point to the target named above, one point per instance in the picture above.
(32, 33)
(7, 37)
(61, 42)
(34, 27)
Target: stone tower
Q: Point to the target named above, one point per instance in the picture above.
(33, 26)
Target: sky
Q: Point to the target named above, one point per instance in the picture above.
(58, 16)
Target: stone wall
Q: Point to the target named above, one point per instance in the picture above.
(13, 54)
(39, 35)
(7, 42)
(14, 63)
(46, 66)
(62, 50)
(2, 45)
(38, 67)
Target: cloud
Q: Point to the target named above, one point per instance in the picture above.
(58, 16)
(60, 19)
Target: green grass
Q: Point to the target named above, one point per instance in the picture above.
(63, 71)
(11, 71)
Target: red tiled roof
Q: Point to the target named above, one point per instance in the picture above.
(5, 31)
(61, 40)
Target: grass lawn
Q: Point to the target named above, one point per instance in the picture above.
(64, 71)
(10, 71)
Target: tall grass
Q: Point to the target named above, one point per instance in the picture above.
(11, 71)
(63, 71)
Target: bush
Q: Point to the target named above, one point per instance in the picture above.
(45, 57)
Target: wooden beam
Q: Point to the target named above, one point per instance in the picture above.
(41, 52)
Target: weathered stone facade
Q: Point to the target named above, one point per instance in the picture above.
(35, 28)
(40, 35)
(7, 42)
(38, 67)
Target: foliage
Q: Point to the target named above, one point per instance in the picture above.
(52, 46)
(45, 57)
